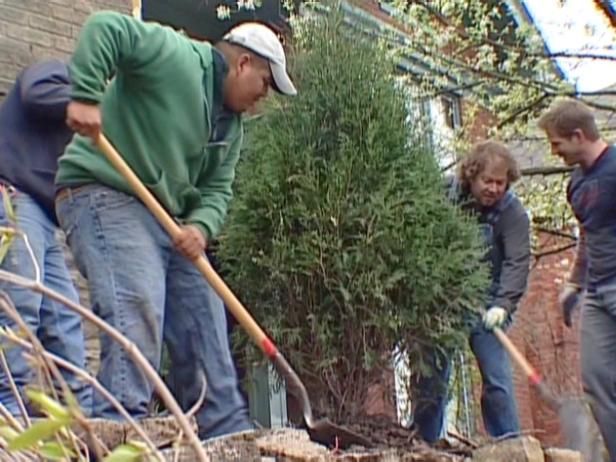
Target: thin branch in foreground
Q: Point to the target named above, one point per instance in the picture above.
(10, 419)
(546, 171)
(193, 410)
(14, 389)
(556, 232)
(554, 251)
(48, 368)
(128, 346)
(86, 377)
(463, 439)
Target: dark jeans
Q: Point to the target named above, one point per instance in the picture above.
(498, 405)
(598, 355)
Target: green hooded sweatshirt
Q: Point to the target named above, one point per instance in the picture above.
(158, 92)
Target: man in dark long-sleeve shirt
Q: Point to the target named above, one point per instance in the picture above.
(33, 134)
(482, 187)
(574, 137)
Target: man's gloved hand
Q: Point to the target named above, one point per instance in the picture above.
(495, 317)
(570, 298)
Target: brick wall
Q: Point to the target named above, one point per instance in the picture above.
(551, 347)
(35, 29)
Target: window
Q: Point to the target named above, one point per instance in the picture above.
(451, 111)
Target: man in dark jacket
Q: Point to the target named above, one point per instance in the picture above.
(33, 134)
(482, 187)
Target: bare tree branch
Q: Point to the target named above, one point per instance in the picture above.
(14, 390)
(49, 367)
(555, 232)
(83, 375)
(128, 346)
(553, 251)
(533, 104)
(545, 171)
(607, 11)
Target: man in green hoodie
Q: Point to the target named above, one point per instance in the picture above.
(173, 109)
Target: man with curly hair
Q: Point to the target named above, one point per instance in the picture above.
(483, 188)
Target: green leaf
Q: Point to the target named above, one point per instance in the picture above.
(49, 406)
(8, 433)
(130, 452)
(37, 433)
(8, 206)
(5, 244)
(56, 451)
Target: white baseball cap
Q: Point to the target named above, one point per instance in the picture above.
(261, 40)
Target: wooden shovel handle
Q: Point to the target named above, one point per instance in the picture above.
(517, 357)
(203, 265)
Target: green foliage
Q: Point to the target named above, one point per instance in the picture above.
(340, 238)
(546, 200)
(45, 436)
(486, 51)
(50, 437)
(48, 405)
(34, 435)
(56, 451)
(130, 452)
(7, 235)
(8, 205)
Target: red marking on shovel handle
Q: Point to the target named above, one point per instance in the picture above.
(269, 348)
(535, 378)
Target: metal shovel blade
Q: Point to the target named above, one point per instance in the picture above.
(577, 423)
(580, 429)
(322, 431)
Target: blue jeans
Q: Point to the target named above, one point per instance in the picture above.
(57, 327)
(498, 406)
(140, 285)
(598, 356)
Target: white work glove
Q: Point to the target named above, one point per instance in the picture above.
(495, 317)
(570, 298)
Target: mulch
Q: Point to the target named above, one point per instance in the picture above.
(385, 434)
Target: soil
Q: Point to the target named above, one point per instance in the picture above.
(383, 433)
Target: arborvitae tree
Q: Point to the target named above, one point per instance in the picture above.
(340, 239)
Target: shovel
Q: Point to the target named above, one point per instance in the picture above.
(322, 431)
(576, 421)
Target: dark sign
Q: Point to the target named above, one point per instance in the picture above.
(202, 18)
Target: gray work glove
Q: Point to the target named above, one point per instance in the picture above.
(570, 299)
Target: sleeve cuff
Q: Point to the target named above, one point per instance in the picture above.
(204, 231)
